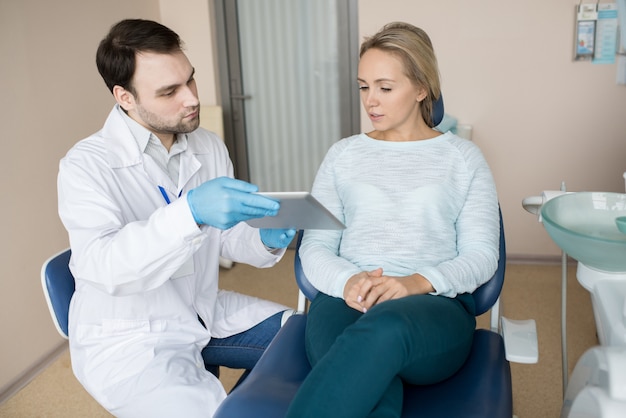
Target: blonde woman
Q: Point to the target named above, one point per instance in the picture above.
(422, 233)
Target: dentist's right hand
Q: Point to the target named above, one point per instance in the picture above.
(224, 202)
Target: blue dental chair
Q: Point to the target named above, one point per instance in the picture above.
(480, 389)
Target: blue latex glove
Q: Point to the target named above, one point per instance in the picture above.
(224, 202)
(277, 238)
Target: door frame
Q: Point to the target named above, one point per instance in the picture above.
(232, 96)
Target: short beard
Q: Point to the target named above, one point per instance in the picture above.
(158, 126)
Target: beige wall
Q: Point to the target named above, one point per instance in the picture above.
(539, 118)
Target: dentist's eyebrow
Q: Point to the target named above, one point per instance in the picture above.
(165, 89)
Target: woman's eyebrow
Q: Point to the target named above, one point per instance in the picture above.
(378, 80)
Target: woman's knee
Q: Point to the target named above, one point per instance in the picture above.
(419, 333)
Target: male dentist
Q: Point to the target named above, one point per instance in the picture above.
(150, 204)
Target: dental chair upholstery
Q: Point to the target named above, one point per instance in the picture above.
(58, 287)
(481, 388)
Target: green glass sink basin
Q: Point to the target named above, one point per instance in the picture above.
(585, 226)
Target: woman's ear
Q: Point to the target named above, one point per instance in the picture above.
(421, 94)
(124, 98)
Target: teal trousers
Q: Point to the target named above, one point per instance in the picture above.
(359, 361)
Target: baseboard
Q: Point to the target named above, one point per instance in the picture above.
(25, 378)
(537, 259)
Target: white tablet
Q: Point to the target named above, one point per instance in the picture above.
(298, 210)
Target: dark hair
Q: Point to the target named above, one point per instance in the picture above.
(414, 48)
(116, 55)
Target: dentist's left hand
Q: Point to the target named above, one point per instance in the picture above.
(277, 238)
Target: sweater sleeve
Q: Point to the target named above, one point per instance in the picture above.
(478, 235)
(324, 268)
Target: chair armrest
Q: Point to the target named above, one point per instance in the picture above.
(520, 340)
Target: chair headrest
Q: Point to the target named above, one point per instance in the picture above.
(438, 110)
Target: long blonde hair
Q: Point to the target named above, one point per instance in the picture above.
(414, 48)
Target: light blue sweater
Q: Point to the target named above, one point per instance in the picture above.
(427, 207)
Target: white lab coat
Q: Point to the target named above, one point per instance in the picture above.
(144, 270)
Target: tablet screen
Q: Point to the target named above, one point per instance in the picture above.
(298, 210)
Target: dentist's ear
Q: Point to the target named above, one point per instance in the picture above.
(124, 98)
